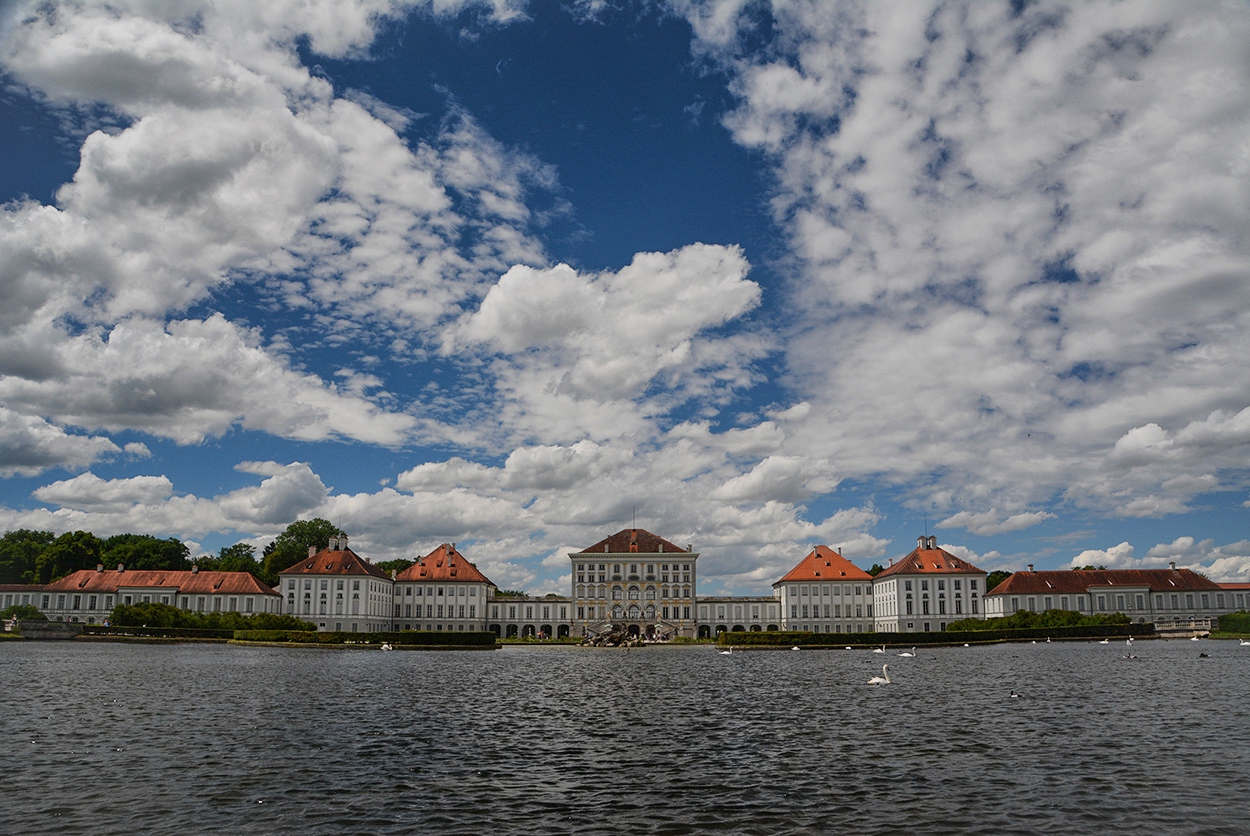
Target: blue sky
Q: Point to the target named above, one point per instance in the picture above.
(508, 274)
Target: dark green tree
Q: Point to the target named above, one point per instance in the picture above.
(241, 557)
(143, 551)
(995, 578)
(291, 546)
(19, 554)
(398, 564)
(24, 612)
(68, 553)
(876, 569)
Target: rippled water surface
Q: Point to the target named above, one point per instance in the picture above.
(115, 738)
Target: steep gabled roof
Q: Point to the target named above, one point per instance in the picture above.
(1080, 581)
(634, 540)
(185, 581)
(445, 565)
(824, 564)
(930, 560)
(335, 562)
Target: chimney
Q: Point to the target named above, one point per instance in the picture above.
(195, 569)
(891, 561)
(121, 567)
(839, 551)
(1030, 567)
(343, 543)
(690, 547)
(312, 550)
(922, 542)
(1172, 563)
(99, 567)
(933, 541)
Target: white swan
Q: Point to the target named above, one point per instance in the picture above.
(387, 646)
(1244, 643)
(905, 653)
(884, 679)
(1193, 638)
(1105, 641)
(727, 652)
(879, 650)
(796, 647)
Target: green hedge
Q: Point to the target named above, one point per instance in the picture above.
(410, 638)
(1235, 622)
(157, 632)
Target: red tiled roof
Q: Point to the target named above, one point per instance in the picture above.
(1079, 581)
(89, 580)
(824, 564)
(335, 562)
(446, 565)
(923, 561)
(634, 540)
(1235, 587)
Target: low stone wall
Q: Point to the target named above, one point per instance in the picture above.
(49, 629)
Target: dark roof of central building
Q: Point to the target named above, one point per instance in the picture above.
(335, 562)
(824, 564)
(635, 540)
(928, 559)
(444, 564)
(190, 582)
(1077, 581)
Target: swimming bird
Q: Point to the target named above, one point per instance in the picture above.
(879, 650)
(1244, 643)
(387, 646)
(884, 679)
(1014, 694)
(1203, 656)
(727, 652)
(905, 653)
(796, 647)
(1193, 638)
(1105, 641)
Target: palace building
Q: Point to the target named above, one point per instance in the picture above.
(1162, 597)
(636, 581)
(643, 584)
(926, 590)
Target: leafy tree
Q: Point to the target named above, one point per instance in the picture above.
(291, 546)
(995, 578)
(152, 614)
(19, 554)
(68, 553)
(398, 564)
(143, 551)
(876, 569)
(509, 593)
(24, 612)
(241, 557)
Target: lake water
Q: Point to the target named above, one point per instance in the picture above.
(116, 738)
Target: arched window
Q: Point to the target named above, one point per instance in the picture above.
(616, 593)
(633, 593)
(650, 593)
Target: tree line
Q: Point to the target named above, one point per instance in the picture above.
(40, 557)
